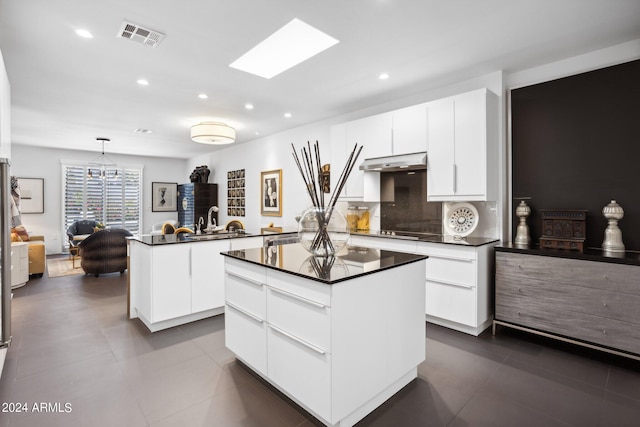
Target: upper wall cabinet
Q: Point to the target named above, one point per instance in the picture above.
(462, 147)
(374, 134)
(409, 130)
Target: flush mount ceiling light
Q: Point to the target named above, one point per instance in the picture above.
(101, 165)
(84, 33)
(213, 133)
(290, 45)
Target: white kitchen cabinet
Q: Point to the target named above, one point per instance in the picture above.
(374, 134)
(19, 264)
(171, 287)
(457, 278)
(173, 284)
(207, 275)
(409, 130)
(458, 291)
(462, 147)
(326, 346)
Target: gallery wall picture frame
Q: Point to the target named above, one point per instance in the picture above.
(164, 197)
(235, 192)
(271, 192)
(31, 195)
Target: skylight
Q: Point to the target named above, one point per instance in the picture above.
(290, 45)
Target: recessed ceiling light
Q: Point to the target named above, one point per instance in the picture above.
(290, 45)
(142, 82)
(287, 115)
(84, 33)
(248, 106)
(203, 96)
(140, 130)
(383, 76)
(257, 133)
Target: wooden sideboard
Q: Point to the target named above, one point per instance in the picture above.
(587, 299)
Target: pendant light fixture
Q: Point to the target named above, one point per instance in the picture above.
(213, 133)
(98, 167)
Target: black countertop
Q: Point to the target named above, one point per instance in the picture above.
(589, 254)
(165, 239)
(436, 238)
(349, 263)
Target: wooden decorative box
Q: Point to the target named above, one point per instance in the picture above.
(563, 229)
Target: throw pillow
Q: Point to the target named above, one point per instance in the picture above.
(22, 233)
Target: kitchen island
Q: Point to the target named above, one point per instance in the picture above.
(339, 336)
(176, 279)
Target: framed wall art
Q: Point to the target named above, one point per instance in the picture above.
(31, 195)
(235, 192)
(164, 196)
(271, 193)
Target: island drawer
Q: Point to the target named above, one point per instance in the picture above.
(312, 291)
(294, 365)
(246, 294)
(246, 270)
(304, 318)
(246, 336)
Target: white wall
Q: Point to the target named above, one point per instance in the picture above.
(37, 162)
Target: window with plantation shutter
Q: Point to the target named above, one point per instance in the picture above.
(113, 198)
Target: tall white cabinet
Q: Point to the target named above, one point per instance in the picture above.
(462, 147)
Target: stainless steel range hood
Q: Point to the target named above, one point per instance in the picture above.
(403, 162)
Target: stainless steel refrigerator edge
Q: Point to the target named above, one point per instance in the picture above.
(5, 254)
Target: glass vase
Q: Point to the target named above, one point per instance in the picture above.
(323, 231)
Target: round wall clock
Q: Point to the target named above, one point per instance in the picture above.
(462, 219)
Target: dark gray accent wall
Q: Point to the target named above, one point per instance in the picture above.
(576, 145)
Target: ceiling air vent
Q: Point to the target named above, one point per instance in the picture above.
(139, 34)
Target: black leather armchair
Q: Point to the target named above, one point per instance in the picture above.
(80, 228)
(104, 251)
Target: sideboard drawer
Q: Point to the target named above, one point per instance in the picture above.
(598, 275)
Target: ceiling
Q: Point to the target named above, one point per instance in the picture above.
(66, 90)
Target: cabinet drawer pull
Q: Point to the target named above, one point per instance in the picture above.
(246, 279)
(246, 313)
(298, 340)
(457, 285)
(297, 297)
(451, 258)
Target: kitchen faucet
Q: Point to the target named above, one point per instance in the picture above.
(211, 222)
(199, 225)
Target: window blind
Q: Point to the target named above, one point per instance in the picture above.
(114, 200)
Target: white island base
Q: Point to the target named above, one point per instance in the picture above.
(337, 349)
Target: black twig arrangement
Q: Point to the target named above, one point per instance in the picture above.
(310, 168)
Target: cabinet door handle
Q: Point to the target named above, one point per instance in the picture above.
(455, 184)
(246, 313)
(451, 258)
(298, 340)
(297, 297)
(457, 285)
(246, 279)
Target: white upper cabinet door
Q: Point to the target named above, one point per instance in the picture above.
(471, 145)
(410, 130)
(440, 149)
(463, 148)
(373, 133)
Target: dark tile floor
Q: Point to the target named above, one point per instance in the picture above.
(74, 345)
